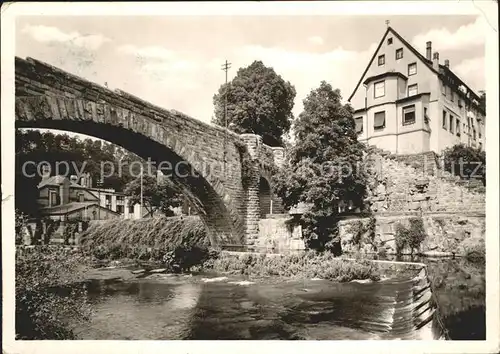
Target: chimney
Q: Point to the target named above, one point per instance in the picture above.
(447, 63)
(435, 61)
(46, 169)
(64, 192)
(428, 52)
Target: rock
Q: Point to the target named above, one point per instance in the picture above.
(159, 270)
(139, 271)
(437, 254)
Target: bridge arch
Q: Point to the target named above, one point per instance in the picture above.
(210, 158)
(206, 156)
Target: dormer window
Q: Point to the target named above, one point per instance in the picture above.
(381, 60)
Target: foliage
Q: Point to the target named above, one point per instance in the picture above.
(246, 163)
(309, 264)
(259, 101)
(185, 257)
(472, 158)
(411, 237)
(81, 155)
(143, 239)
(323, 166)
(21, 221)
(482, 100)
(359, 229)
(48, 298)
(159, 194)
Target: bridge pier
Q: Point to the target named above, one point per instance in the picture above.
(252, 217)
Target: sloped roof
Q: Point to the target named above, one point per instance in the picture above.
(56, 181)
(428, 63)
(443, 70)
(71, 207)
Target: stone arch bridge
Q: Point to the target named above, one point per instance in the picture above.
(225, 176)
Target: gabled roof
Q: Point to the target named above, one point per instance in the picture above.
(56, 181)
(423, 59)
(71, 207)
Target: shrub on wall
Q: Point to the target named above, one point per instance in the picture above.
(465, 161)
(360, 229)
(410, 237)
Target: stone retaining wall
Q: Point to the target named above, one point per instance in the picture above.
(447, 233)
(395, 186)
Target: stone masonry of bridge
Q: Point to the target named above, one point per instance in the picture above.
(208, 158)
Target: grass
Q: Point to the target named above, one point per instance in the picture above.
(144, 239)
(183, 242)
(306, 265)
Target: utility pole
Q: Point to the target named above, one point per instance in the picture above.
(99, 184)
(225, 67)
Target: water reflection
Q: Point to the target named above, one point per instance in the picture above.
(211, 307)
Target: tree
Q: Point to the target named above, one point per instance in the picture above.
(33, 147)
(323, 166)
(259, 101)
(465, 161)
(482, 100)
(50, 298)
(158, 194)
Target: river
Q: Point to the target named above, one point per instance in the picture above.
(211, 306)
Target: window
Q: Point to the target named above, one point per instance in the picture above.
(379, 120)
(53, 199)
(381, 60)
(426, 117)
(452, 96)
(379, 89)
(444, 120)
(443, 89)
(474, 133)
(359, 124)
(81, 197)
(119, 209)
(409, 115)
(412, 90)
(460, 103)
(131, 209)
(412, 69)
(389, 41)
(451, 123)
(399, 53)
(458, 127)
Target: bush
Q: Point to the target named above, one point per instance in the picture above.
(465, 161)
(306, 265)
(47, 300)
(145, 239)
(411, 237)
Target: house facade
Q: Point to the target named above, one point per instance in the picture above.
(408, 103)
(64, 198)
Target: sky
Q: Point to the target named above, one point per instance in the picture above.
(175, 62)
